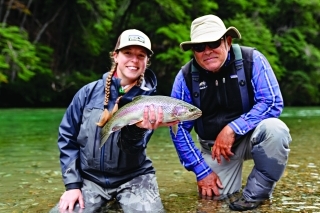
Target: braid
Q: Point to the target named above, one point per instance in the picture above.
(140, 80)
(108, 85)
(106, 114)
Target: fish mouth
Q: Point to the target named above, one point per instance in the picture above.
(197, 115)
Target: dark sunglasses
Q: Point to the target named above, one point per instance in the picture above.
(202, 46)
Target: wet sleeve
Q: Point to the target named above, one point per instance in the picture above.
(67, 141)
(73, 186)
(189, 155)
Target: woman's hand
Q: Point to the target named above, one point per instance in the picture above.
(152, 118)
(69, 199)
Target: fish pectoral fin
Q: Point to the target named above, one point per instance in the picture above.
(175, 129)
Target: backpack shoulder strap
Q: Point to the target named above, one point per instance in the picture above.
(195, 89)
(241, 77)
(195, 85)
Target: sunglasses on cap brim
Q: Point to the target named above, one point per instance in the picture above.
(202, 46)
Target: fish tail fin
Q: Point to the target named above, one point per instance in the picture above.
(105, 133)
(103, 141)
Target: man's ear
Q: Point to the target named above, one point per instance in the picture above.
(229, 40)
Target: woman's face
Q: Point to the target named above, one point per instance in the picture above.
(213, 59)
(132, 62)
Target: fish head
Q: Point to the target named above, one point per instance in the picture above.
(186, 112)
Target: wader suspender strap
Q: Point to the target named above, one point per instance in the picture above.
(196, 92)
(241, 78)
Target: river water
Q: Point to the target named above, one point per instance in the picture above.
(30, 177)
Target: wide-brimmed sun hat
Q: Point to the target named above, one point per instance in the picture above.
(133, 37)
(208, 28)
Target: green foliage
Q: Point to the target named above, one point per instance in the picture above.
(251, 9)
(73, 41)
(18, 58)
(292, 43)
(45, 54)
(303, 90)
(170, 42)
(96, 23)
(296, 31)
(3, 66)
(255, 34)
(84, 77)
(26, 65)
(174, 9)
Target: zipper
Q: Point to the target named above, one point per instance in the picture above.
(102, 157)
(225, 92)
(218, 92)
(111, 146)
(102, 153)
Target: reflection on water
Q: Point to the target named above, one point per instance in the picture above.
(300, 112)
(30, 178)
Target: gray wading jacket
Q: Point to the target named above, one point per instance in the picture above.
(122, 157)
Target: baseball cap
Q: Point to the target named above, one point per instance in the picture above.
(133, 37)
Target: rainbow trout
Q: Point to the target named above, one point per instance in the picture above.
(132, 113)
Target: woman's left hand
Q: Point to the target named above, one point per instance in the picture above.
(152, 118)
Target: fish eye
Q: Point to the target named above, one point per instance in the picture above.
(191, 110)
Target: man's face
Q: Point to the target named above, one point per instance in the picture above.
(212, 59)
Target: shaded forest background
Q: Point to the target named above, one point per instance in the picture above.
(51, 48)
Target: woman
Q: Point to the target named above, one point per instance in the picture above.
(120, 170)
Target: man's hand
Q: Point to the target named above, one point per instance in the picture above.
(223, 143)
(209, 186)
(69, 199)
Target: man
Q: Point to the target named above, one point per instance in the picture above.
(240, 110)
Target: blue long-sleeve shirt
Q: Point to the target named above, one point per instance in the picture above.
(268, 103)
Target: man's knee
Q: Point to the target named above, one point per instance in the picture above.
(272, 130)
(271, 148)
